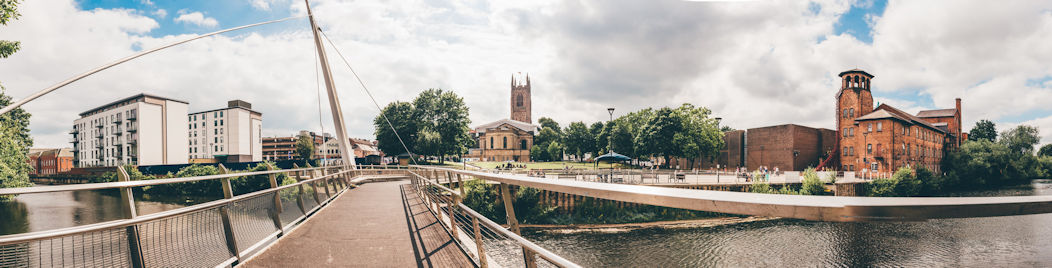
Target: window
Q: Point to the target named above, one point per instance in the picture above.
(215, 123)
(220, 122)
(845, 151)
(522, 145)
(215, 131)
(880, 126)
(845, 132)
(875, 166)
(869, 127)
(851, 112)
(505, 143)
(491, 142)
(869, 148)
(220, 113)
(518, 100)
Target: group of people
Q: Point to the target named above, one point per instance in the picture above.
(743, 172)
(509, 165)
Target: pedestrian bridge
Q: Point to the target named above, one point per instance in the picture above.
(373, 216)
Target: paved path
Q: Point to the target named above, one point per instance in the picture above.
(365, 227)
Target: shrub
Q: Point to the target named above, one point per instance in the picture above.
(812, 184)
(761, 187)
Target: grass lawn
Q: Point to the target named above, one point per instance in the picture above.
(543, 165)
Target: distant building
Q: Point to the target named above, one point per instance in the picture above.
(508, 139)
(504, 140)
(227, 135)
(284, 147)
(883, 139)
(786, 147)
(50, 161)
(138, 130)
(365, 151)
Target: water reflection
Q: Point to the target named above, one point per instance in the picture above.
(47, 211)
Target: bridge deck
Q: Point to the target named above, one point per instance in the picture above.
(374, 225)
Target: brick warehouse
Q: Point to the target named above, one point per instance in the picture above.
(875, 140)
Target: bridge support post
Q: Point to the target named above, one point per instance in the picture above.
(325, 182)
(478, 243)
(224, 212)
(453, 207)
(460, 183)
(313, 185)
(509, 208)
(275, 214)
(128, 209)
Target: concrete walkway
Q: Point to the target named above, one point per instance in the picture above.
(371, 226)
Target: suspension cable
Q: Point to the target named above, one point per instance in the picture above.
(40, 93)
(366, 89)
(321, 122)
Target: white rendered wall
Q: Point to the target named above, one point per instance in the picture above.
(150, 150)
(177, 143)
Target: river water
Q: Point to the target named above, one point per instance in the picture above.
(47, 211)
(978, 242)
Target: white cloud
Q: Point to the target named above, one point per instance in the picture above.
(752, 63)
(261, 4)
(197, 18)
(146, 2)
(160, 13)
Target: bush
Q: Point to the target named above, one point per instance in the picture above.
(812, 184)
(761, 187)
(902, 183)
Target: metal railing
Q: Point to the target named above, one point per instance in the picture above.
(817, 208)
(217, 233)
(478, 235)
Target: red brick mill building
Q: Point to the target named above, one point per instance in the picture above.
(874, 140)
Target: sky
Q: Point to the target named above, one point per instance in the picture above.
(754, 63)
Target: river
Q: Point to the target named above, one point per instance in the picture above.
(987, 242)
(977, 242)
(48, 211)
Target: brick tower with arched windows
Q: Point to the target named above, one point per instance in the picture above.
(520, 98)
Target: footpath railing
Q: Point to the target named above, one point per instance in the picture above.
(488, 243)
(217, 233)
(817, 208)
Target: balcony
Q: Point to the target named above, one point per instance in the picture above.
(74, 131)
(132, 117)
(132, 128)
(98, 125)
(99, 135)
(117, 120)
(73, 140)
(133, 141)
(99, 145)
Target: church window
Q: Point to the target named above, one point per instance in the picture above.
(518, 100)
(505, 143)
(491, 142)
(522, 145)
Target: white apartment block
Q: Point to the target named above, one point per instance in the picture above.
(229, 134)
(137, 130)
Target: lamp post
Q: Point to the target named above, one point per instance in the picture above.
(718, 119)
(608, 136)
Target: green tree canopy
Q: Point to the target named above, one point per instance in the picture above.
(305, 147)
(658, 134)
(599, 144)
(401, 116)
(579, 139)
(1021, 139)
(983, 130)
(14, 125)
(550, 123)
(1046, 150)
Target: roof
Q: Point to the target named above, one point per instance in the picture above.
(856, 70)
(514, 123)
(938, 113)
(127, 99)
(886, 111)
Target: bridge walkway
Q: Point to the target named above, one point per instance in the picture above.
(376, 225)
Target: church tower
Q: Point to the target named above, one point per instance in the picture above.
(520, 98)
(852, 101)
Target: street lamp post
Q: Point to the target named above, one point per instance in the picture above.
(718, 119)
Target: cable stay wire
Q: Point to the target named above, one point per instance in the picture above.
(370, 94)
(321, 121)
(54, 87)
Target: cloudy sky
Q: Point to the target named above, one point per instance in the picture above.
(753, 63)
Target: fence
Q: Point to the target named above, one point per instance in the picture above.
(217, 233)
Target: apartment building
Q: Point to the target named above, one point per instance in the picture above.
(228, 135)
(139, 130)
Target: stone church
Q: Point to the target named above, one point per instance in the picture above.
(508, 139)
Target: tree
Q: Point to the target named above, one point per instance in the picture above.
(305, 147)
(658, 134)
(14, 125)
(1021, 139)
(600, 142)
(700, 135)
(622, 140)
(555, 151)
(579, 139)
(405, 126)
(983, 130)
(549, 123)
(546, 136)
(445, 114)
(1045, 150)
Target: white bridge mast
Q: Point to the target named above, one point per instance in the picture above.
(330, 87)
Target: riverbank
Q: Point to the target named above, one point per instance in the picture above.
(627, 227)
